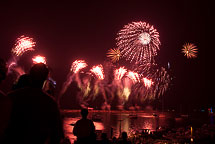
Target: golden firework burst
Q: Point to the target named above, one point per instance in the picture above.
(189, 50)
(114, 54)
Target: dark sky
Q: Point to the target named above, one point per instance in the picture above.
(67, 30)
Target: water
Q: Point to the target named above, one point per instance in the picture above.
(115, 122)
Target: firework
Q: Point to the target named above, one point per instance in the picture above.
(138, 41)
(114, 55)
(119, 73)
(189, 50)
(126, 93)
(133, 76)
(22, 45)
(98, 71)
(39, 59)
(11, 64)
(154, 84)
(164, 80)
(147, 82)
(78, 65)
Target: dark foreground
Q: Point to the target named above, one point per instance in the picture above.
(147, 127)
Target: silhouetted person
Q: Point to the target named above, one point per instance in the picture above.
(114, 140)
(35, 117)
(104, 139)
(23, 81)
(124, 139)
(5, 103)
(84, 129)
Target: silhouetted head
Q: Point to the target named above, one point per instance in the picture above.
(124, 135)
(3, 69)
(24, 81)
(39, 73)
(84, 113)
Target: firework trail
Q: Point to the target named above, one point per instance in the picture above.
(84, 85)
(114, 54)
(99, 86)
(22, 45)
(164, 80)
(189, 50)
(138, 41)
(39, 59)
(78, 65)
(155, 85)
(128, 82)
(98, 71)
(124, 88)
(15, 69)
(119, 73)
(66, 84)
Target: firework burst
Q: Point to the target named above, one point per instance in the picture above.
(164, 80)
(39, 59)
(22, 45)
(147, 82)
(189, 50)
(78, 65)
(154, 83)
(98, 71)
(119, 73)
(114, 54)
(138, 41)
(133, 76)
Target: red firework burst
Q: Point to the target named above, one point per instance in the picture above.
(138, 41)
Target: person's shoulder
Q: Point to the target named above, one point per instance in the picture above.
(49, 97)
(90, 120)
(78, 122)
(18, 91)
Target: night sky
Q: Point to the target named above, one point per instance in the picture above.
(67, 30)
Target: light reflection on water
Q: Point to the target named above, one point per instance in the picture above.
(118, 122)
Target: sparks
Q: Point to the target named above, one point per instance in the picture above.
(22, 45)
(98, 71)
(189, 50)
(138, 41)
(78, 65)
(39, 59)
(133, 76)
(126, 93)
(119, 73)
(147, 82)
(114, 54)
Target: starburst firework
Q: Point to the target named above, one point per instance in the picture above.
(39, 59)
(114, 54)
(189, 50)
(22, 45)
(138, 41)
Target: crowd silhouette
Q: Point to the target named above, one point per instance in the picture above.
(31, 115)
(28, 114)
